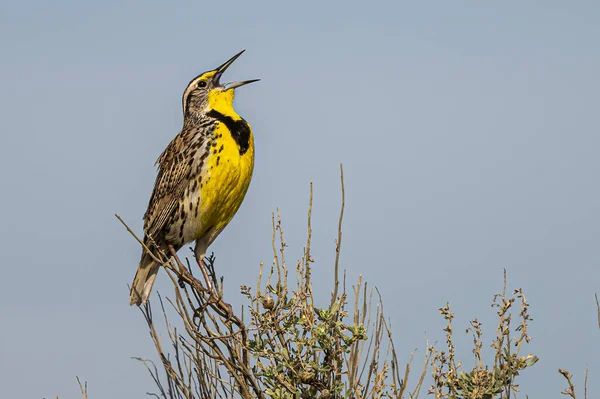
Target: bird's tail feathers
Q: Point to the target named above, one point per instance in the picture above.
(143, 280)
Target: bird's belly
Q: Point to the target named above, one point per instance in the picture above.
(225, 179)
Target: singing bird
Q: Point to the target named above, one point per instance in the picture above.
(203, 175)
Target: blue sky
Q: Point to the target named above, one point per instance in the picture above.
(468, 133)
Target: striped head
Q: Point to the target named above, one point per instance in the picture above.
(206, 92)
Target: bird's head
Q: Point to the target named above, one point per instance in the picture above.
(206, 92)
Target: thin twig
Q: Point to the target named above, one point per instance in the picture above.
(307, 256)
(338, 243)
(82, 388)
(140, 241)
(598, 306)
(570, 391)
(585, 382)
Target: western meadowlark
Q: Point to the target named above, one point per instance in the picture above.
(203, 175)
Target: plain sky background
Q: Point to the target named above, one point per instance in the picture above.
(469, 133)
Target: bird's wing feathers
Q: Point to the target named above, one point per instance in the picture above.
(168, 190)
(172, 179)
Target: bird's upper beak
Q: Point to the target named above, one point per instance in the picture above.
(223, 68)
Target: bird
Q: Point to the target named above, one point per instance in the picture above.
(203, 176)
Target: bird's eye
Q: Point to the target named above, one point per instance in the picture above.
(202, 83)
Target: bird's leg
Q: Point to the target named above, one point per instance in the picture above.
(200, 253)
(223, 309)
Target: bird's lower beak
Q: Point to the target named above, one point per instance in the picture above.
(234, 85)
(223, 68)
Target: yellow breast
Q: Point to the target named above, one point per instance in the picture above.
(225, 181)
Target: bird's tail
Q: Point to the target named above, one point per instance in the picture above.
(143, 280)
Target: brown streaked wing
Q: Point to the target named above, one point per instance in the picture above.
(172, 179)
(166, 196)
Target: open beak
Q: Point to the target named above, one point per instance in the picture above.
(223, 68)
